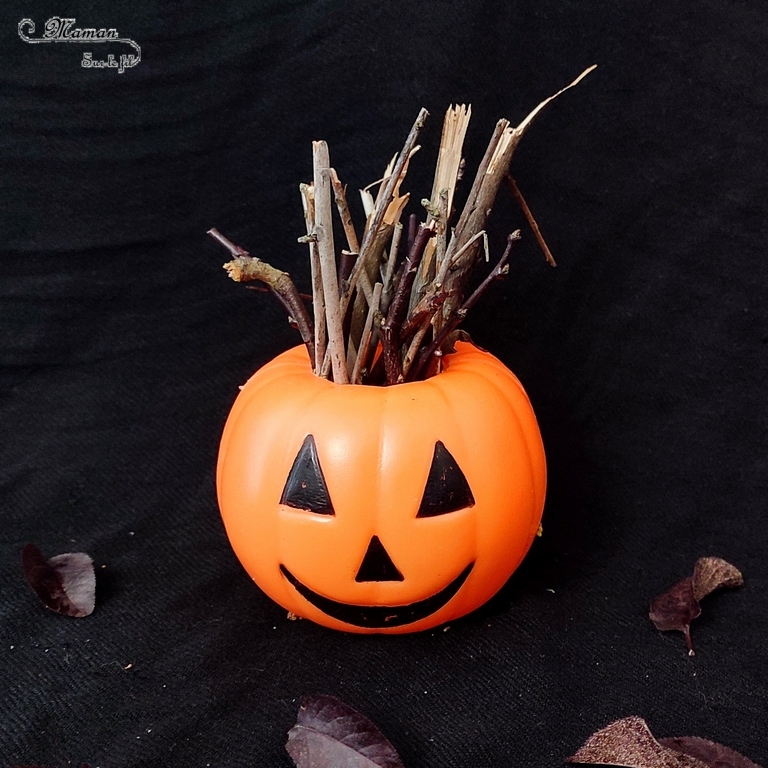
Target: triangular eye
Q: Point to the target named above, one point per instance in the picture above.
(447, 489)
(305, 487)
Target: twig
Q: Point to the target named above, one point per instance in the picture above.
(264, 289)
(416, 341)
(413, 228)
(447, 169)
(485, 187)
(390, 331)
(389, 268)
(454, 260)
(324, 232)
(346, 217)
(523, 127)
(365, 343)
(476, 209)
(500, 269)
(424, 310)
(515, 190)
(385, 195)
(346, 263)
(450, 325)
(244, 268)
(442, 227)
(318, 299)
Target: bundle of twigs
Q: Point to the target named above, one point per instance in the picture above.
(387, 308)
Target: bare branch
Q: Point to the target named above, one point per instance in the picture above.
(244, 268)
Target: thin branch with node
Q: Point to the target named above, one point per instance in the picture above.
(318, 298)
(244, 268)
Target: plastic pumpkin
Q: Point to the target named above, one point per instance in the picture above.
(382, 509)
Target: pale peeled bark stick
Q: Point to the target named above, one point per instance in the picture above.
(325, 248)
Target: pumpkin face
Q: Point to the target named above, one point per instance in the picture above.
(382, 509)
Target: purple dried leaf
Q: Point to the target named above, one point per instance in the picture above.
(65, 583)
(675, 609)
(709, 752)
(630, 743)
(711, 573)
(330, 734)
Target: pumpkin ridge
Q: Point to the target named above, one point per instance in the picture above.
(523, 434)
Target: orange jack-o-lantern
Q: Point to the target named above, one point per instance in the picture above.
(382, 509)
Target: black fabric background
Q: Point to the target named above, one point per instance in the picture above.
(645, 354)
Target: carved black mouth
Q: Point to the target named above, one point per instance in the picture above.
(378, 616)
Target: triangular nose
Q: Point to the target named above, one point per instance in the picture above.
(377, 565)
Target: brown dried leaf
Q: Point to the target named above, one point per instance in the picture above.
(330, 734)
(709, 752)
(711, 573)
(676, 608)
(630, 743)
(65, 583)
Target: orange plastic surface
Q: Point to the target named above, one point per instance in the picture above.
(375, 447)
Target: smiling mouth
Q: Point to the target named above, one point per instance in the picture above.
(379, 616)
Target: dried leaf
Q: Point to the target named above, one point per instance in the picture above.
(630, 743)
(330, 734)
(709, 752)
(65, 583)
(676, 608)
(711, 573)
